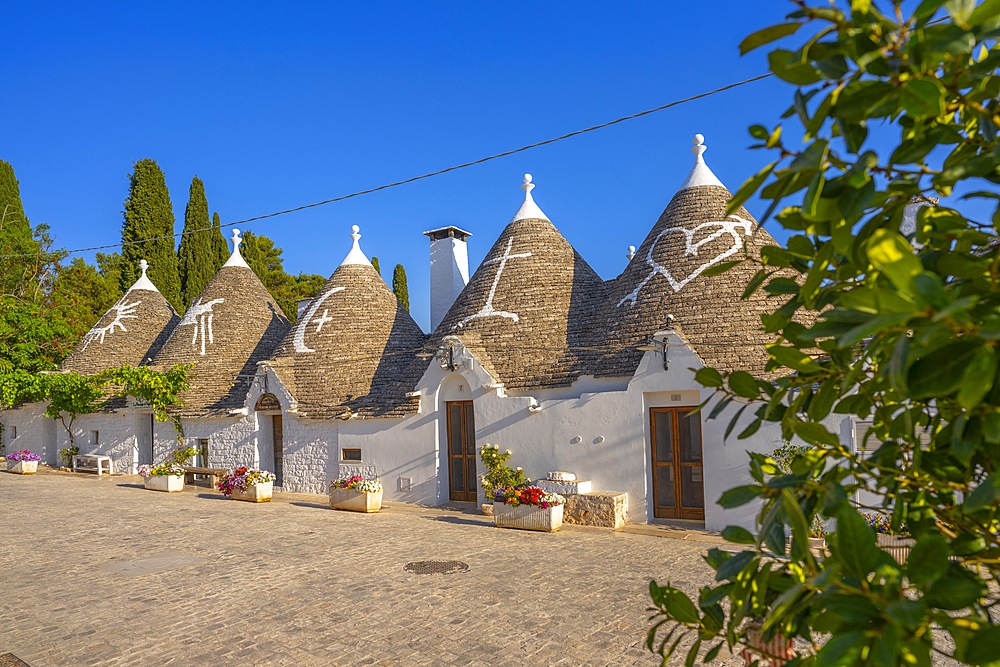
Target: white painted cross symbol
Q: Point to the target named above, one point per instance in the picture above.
(299, 340)
(320, 321)
(488, 310)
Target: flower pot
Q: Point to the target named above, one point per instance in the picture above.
(355, 501)
(895, 546)
(528, 517)
(22, 467)
(168, 483)
(258, 493)
(773, 653)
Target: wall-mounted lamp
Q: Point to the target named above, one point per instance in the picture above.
(346, 415)
(493, 385)
(533, 406)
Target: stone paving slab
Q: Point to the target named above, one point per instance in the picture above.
(98, 571)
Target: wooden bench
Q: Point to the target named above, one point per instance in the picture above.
(212, 473)
(93, 462)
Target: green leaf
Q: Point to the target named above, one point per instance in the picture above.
(748, 188)
(719, 269)
(889, 252)
(907, 613)
(787, 66)
(738, 534)
(742, 384)
(986, 11)
(734, 565)
(793, 358)
(679, 606)
(814, 433)
(957, 589)
(940, 373)
(922, 97)
(982, 648)
(978, 377)
(767, 35)
(928, 560)
(843, 650)
(854, 544)
(741, 495)
(987, 494)
(708, 377)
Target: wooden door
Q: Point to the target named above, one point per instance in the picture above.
(461, 451)
(678, 487)
(277, 437)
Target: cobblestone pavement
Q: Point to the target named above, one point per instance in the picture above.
(98, 571)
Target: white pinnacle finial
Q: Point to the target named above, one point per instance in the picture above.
(144, 282)
(701, 174)
(236, 259)
(355, 256)
(529, 209)
(631, 252)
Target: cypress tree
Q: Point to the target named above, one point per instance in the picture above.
(219, 243)
(375, 264)
(20, 273)
(399, 287)
(197, 252)
(149, 215)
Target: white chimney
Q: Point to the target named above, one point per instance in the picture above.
(449, 269)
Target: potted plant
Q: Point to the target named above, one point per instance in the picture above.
(167, 477)
(355, 493)
(252, 485)
(23, 462)
(498, 475)
(896, 543)
(528, 508)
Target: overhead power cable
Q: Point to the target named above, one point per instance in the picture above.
(431, 174)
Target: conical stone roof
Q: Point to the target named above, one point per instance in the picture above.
(233, 324)
(353, 351)
(665, 278)
(131, 332)
(526, 311)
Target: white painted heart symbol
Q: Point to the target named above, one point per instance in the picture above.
(728, 226)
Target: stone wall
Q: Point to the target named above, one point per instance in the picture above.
(607, 509)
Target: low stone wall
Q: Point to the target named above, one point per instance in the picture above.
(607, 509)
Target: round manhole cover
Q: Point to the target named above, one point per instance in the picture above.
(437, 567)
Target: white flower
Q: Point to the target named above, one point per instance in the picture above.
(507, 452)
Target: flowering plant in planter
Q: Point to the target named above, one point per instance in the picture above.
(882, 524)
(528, 495)
(24, 455)
(160, 470)
(358, 483)
(243, 478)
(499, 475)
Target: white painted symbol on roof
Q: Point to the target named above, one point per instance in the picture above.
(299, 340)
(123, 311)
(200, 315)
(320, 321)
(727, 226)
(488, 310)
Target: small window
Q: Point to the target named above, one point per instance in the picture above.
(13, 432)
(350, 454)
(95, 438)
(200, 458)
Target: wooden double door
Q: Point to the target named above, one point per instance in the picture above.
(678, 473)
(461, 451)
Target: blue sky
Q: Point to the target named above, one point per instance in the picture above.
(276, 105)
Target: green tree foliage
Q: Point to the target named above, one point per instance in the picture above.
(899, 330)
(70, 395)
(265, 259)
(399, 287)
(31, 340)
(26, 257)
(81, 294)
(148, 232)
(378, 268)
(196, 256)
(219, 243)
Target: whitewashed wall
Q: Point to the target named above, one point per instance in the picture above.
(35, 432)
